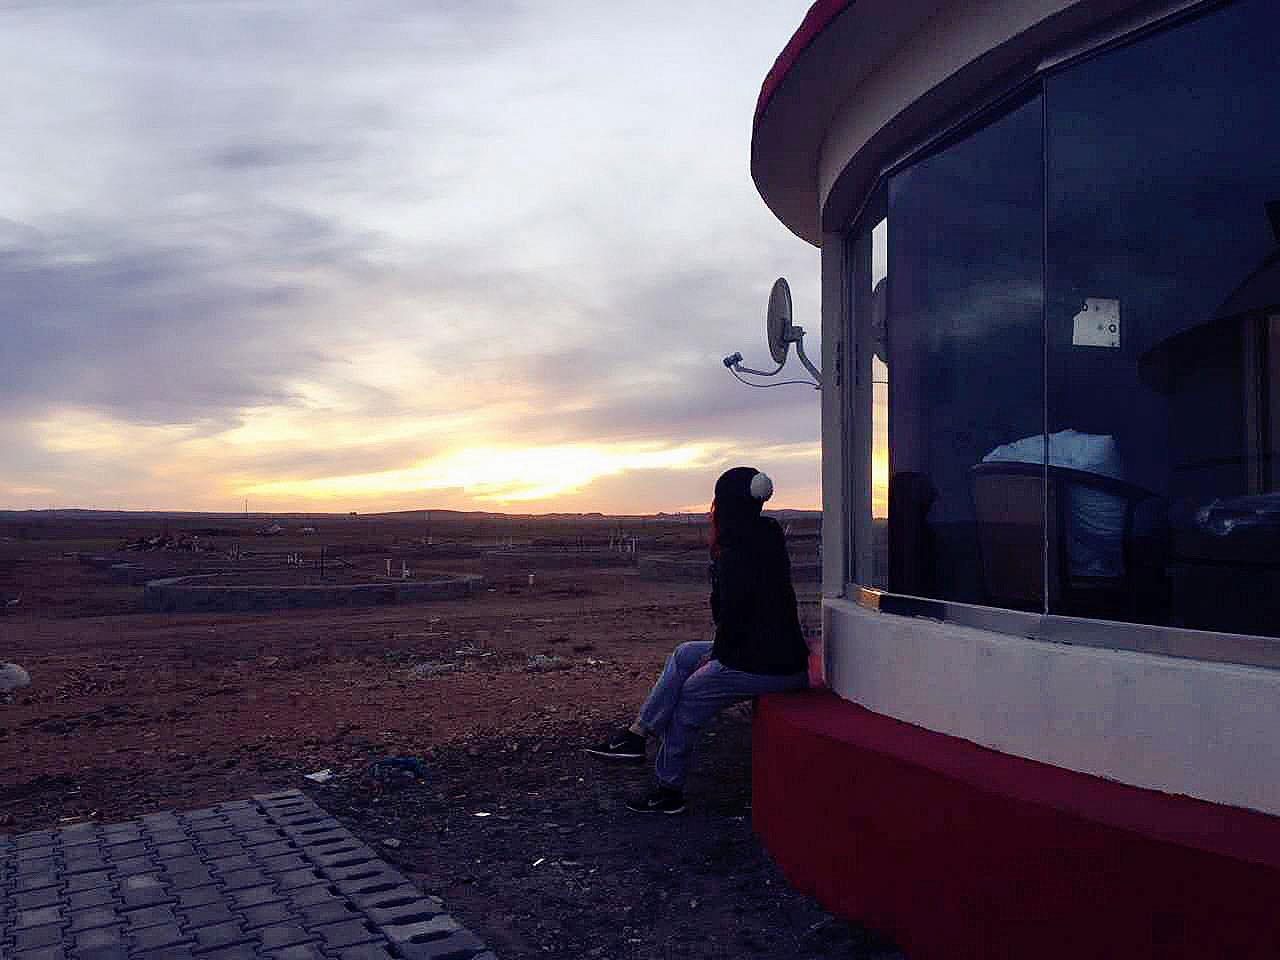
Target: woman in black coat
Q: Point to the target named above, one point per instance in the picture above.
(758, 645)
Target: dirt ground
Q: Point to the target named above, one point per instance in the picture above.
(521, 833)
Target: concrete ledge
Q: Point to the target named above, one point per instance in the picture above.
(182, 595)
(1172, 724)
(954, 850)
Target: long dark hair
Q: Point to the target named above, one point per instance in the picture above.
(730, 521)
(713, 535)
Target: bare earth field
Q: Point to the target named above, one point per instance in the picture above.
(131, 712)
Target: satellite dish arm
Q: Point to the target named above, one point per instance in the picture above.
(813, 371)
(734, 362)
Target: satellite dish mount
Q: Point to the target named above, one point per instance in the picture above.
(781, 333)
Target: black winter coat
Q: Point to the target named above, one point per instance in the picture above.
(754, 604)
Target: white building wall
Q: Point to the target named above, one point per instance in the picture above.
(1207, 730)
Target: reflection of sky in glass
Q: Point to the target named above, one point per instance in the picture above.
(879, 252)
(879, 388)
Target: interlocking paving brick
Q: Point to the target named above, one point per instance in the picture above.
(316, 914)
(255, 896)
(174, 850)
(150, 917)
(241, 951)
(302, 952)
(197, 897)
(313, 894)
(53, 952)
(271, 878)
(220, 935)
(283, 935)
(295, 873)
(38, 917)
(239, 861)
(90, 898)
(209, 913)
(241, 879)
(267, 914)
(422, 929)
(276, 848)
(104, 916)
(151, 894)
(159, 937)
(260, 835)
(455, 945)
(346, 934)
(102, 938)
(33, 937)
(39, 898)
(424, 909)
(134, 865)
(165, 953)
(364, 951)
(223, 848)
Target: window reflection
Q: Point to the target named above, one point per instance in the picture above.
(965, 358)
(1162, 211)
(880, 403)
(1068, 338)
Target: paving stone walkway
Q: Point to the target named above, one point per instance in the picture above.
(272, 877)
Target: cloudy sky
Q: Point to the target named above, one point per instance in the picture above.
(396, 254)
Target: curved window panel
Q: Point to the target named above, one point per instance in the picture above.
(1068, 347)
(964, 368)
(1163, 327)
(869, 415)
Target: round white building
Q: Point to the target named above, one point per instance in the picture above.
(1050, 240)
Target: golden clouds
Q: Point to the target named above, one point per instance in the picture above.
(499, 473)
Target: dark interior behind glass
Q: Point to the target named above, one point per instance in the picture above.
(1163, 157)
(1082, 343)
(965, 347)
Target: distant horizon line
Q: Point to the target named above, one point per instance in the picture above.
(4, 511)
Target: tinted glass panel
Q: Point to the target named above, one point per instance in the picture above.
(869, 415)
(1162, 288)
(965, 359)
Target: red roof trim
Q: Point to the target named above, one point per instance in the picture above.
(815, 21)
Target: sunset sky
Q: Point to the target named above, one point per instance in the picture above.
(390, 255)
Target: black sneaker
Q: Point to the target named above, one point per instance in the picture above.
(661, 800)
(623, 745)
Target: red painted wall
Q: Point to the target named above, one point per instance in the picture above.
(953, 850)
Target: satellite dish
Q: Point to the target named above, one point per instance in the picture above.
(777, 322)
(880, 319)
(780, 333)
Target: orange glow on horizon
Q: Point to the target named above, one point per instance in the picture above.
(498, 474)
(299, 457)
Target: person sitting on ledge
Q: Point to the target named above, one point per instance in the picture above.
(758, 646)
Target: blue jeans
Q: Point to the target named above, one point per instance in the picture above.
(686, 696)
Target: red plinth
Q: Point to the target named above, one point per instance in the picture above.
(953, 850)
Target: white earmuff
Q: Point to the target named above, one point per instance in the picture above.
(761, 487)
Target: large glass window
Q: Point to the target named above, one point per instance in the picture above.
(965, 350)
(1069, 343)
(1163, 158)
